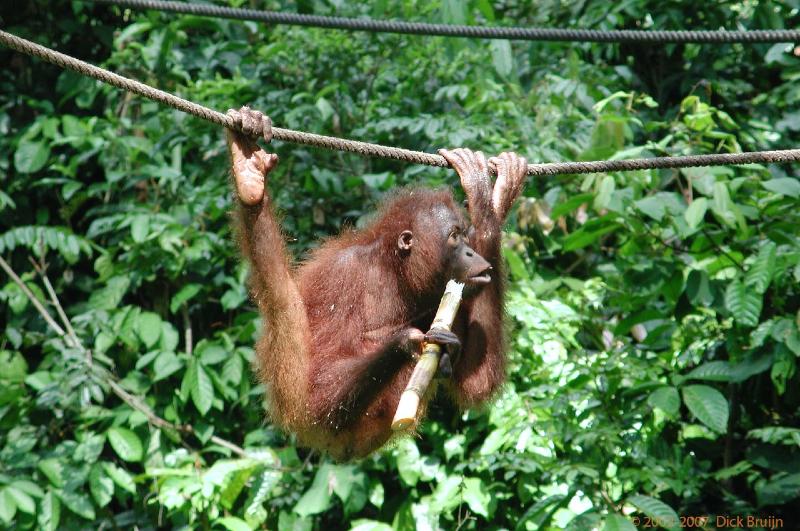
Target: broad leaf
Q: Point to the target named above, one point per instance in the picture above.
(617, 522)
(760, 273)
(316, 499)
(696, 212)
(784, 186)
(446, 495)
(202, 389)
(476, 495)
(502, 57)
(49, 512)
(79, 504)
(126, 443)
(31, 156)
(743, 302)
(22, 499)
(120, 476)
(184, 295)
(166, 363)
(8, 508)
(714, 371)
(780, 488)
(101, 486)
(604, 192)
(140, 227)
(234, 524)
(656, 509)
(666, 399)
(708, 405)
(148, 327)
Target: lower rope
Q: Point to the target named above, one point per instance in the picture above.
(376, 150)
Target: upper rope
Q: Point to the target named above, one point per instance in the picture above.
(453, 30)
(375, 150)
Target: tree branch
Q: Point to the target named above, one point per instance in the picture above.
(131, 400)
(41, 268)
(31, 297)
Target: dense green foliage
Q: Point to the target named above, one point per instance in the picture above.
(653, 315)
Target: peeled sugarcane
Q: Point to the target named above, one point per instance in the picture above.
(406, 415)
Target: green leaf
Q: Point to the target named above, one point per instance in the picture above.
(184, 295)
(494, 441)
(78, 503)
(454, 12)
(698, 288)
(259, 491)
(8, 508)
(606, 189)
(655, 509)
(126, 443)
(166, 364)
(780, 488)
(708, 405)
(502, 57)
(22, 499)
(31, 156)
(653, 206)
(120, 476)
(169, 337)
(776, 435)
(408, 461)
(476, 495)
(446, 495)
(666, 399)
(140, 227)
(49, 512)
(148, 328)
(743, 303)
(713, 371)
(211, 353)
(53, 469)
(234, 524)
(325, 109)
(350, 485)
(570, 204)
(515, 264)
(109, 297)
(233, 369)
(15, 368)
(760, 273)
(750, 366)
(784, 186)
(28, 487)
(101, 486)
(696, 212)
(783, 368)
(201, 388)
(377, 494)
(722, 205)
(317, 498)
(616, 522)
(369, 525)
(584, 237)
(37, 238)
(486, 9)
(233, 486)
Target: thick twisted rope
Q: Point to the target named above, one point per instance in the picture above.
(451, 30)
(376, 150)
(298, 137)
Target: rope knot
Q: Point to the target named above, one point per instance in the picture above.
(250, 122)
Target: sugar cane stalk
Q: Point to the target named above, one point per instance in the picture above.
(406, 415)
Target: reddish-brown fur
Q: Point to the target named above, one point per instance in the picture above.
(334, 353)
